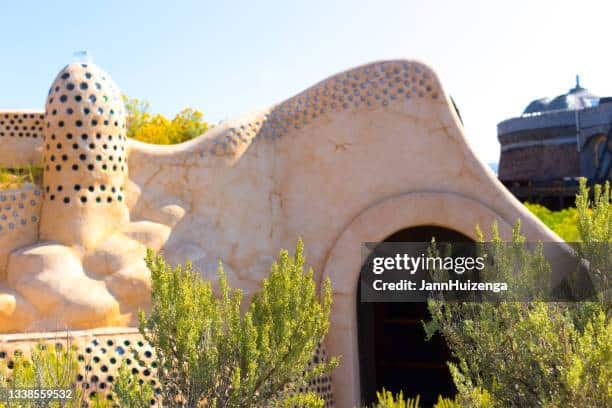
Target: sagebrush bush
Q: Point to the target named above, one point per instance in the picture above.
(129, 392)
(386, 399)
(48, 367)
(52, 367)
(546, 354)
(211, 354)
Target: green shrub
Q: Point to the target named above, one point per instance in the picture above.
(209, 353)
(128, 391)
(537, 353)
(386, 399)
(595, 227)
(48, 367)
(446, 403)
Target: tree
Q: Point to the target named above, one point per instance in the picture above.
(209, 353)
(157, 129)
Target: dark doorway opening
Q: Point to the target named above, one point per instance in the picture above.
(393, 352)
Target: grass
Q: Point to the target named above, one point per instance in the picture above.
(11, 178)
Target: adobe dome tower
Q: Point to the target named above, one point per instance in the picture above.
(85, 165)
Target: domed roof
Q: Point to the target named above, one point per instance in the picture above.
(576, 98)
(538, 105)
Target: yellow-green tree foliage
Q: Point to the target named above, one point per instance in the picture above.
(157, 129)
(564, 223)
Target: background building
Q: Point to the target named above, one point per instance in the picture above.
(553, 143)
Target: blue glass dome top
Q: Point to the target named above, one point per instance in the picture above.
(576, 98)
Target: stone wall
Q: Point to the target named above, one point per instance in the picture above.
(538, 163)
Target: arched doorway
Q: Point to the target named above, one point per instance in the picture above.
(393, 352)
(375, 224)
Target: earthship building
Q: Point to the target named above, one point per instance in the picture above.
(375, 153)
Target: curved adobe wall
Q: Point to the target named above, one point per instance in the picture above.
(307, 167)
(21, 134)
(232, 183)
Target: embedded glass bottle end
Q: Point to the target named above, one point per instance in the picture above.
(83, 57)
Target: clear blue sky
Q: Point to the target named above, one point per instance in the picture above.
(226, 57)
